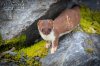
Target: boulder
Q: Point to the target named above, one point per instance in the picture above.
(18, 15)
(75, 49)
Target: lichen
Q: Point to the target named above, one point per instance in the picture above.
(90, 42)
(89, 50)
(90, 20)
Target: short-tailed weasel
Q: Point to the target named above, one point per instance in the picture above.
(51, 30)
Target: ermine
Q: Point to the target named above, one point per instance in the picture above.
(50, 30)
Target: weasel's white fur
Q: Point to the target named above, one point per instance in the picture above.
(49, 37)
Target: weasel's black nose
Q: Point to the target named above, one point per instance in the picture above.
(46, 31)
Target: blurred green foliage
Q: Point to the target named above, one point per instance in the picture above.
(90, 20)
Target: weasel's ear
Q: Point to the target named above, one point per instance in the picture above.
(50, 21)
(39, 22)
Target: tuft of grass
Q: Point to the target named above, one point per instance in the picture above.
(90, 20)
(20, 39)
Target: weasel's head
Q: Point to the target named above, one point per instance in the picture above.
(45, 26)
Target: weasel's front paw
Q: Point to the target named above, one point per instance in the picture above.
(47, 45)
(53, 49)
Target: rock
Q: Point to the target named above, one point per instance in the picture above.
(75, 49)
(9, 64)
(16, 16)
(93, 4)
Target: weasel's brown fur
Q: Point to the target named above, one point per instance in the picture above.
(63, 24)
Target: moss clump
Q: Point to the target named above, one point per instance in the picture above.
(28, 56)
(89, 50)
(36, 50)
(96, 16)
(17, 42)
(90, 20)
(20, 39)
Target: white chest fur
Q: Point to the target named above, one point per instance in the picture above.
(49, 37)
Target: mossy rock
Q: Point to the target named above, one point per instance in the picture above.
(20, 39)
(90, 20)
(17, 42)
(29, 54)
(36, 50)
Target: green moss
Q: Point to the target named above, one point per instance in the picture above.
(89, 50)
(7, 56)
(37, 49)
(17, 42)
(96, 16)
(90, 20)
(20, 39)
(31, 52)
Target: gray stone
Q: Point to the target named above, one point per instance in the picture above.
(75, 49)
(16, 15)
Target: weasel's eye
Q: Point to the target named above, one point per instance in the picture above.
(49, 29)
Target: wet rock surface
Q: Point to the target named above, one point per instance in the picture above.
(75, 49)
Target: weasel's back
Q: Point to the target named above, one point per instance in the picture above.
(68, 19)
(75, 9)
